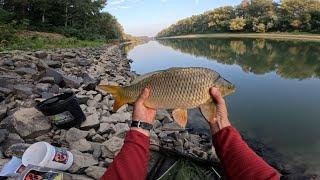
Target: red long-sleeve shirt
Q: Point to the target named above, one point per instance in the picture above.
(238, 160)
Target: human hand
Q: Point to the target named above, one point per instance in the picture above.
(143, 113)
(220, 119)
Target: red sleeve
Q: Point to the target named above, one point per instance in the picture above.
(132, 160)
(238, 159)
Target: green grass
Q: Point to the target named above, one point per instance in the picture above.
(282, 36)
(38, 40)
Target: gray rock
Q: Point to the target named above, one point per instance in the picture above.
(3, 112)
(83, 99)
(56, 74)
(106, 128)
(195, 139)
(98, 97)
(47, 79)
(173, 126)
(83, 107)
(46, 95)
(162, 135)
(92, 121)
(80, 177)
(178, 145)
(123, 108)
(72, 81)
(53, 64)
(167, 139)
(18, 58)
(81, 145)
(55, 89)
(92, 132)
(24, 71)
(41, 54)
(57, 57)
(96, 149)
(91, 92)
(22, 90)
(110, 147)
(120, 117)
(74, 134)
(98, 138)
(95, 172)
(89, 82)
(121, 129)
(157, 124)
(81, 161)
(16, 150)
(46, 137)
(83, 62)
(11, 139)
(154, 140)
(8, 62)
(162, 114)
(107, 161)
(92, 103)
(42, 87)
(41, 65)
(198, 151)
(188, 145)
(3, 135)
(69, 55)
(5, 91)
(91, 110)
(30, 123)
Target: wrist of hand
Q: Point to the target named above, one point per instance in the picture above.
(216, 126)
(143, 131)
(143, 120)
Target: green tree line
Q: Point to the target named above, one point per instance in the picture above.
(82, 19)
(290, 59)
(253, 16)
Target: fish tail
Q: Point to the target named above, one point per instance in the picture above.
(115, 91)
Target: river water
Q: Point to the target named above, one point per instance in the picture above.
(278, 86)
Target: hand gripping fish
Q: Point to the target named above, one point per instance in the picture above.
(175, 88)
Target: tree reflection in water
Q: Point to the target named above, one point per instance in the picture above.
(290, 59)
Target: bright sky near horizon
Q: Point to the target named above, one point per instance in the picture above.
(148, 17)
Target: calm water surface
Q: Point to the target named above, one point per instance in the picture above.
(278, 86)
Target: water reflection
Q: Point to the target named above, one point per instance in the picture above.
(290, 59)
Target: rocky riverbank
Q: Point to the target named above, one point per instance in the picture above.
(29, 77)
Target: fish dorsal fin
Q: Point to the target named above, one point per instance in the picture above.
(144, 76)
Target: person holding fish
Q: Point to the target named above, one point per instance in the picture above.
(181, 89)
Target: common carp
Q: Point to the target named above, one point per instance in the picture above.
(175, 88)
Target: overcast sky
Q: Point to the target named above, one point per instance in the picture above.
(148, 17)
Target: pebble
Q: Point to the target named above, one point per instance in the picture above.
(81, 160)
(30, 123)
(92, 121)
(81, 145)
(110, 147)
(75, 134)
(95, 172)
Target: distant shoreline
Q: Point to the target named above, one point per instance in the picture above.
(276, 36)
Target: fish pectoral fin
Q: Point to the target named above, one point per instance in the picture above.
(115, 92)
(208, 110)
(180, 116)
